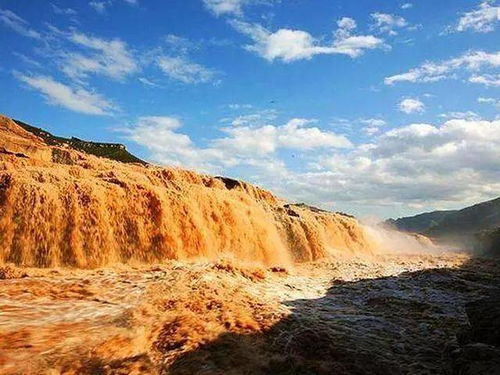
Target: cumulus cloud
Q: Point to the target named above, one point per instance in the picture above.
(76, 99)
(436, 71)
(407, 6)
(290, 45)
(482, 20)
(347, 24)
(417, 165)
(387, 23)
(239, 145)
(297, 134)
(18, 24)
(410, 105)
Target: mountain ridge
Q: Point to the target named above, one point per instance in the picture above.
(455, 227)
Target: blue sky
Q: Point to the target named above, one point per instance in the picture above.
(375, 108)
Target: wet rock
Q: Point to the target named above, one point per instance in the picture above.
(484, 317)
(488, 242)
(477, 349)
(474, 359)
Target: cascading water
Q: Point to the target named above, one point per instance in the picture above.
(60, 207)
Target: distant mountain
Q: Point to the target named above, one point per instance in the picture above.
(419, 223)
(457, 227)
(464, 224)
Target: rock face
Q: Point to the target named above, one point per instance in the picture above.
(477, 351)
(60, 206)
(113, 151)
(488, 242)
(484, 318)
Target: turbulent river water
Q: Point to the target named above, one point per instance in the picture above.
(112, 268)
(393, 313)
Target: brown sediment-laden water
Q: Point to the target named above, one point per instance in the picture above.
(113, 268)
(60, 207)
(397, 314)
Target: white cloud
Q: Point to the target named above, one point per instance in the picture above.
(158, 134)
(374, 122)
(346, 25)
(290, 45)
(409, 106)
(418, 165)
(354, 46)
(285, 44)
(148, 82)
(387, 23)
(222, 7)
(232, 7)
(174, 61)
(482, 20)
(110, 58)
(469, 115)
(100, 6)
(73, 98)
(493, 101)
(90, 55)
(179, 44)
(371, 130)
(27, 59)
(407, 6)
(236, 106)
(432, 72)
(240, 145)
(63, 11)
(16, 23)
(373, 125)
(297, 135)
(486, 79)
(252, 119)
(181, 69)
